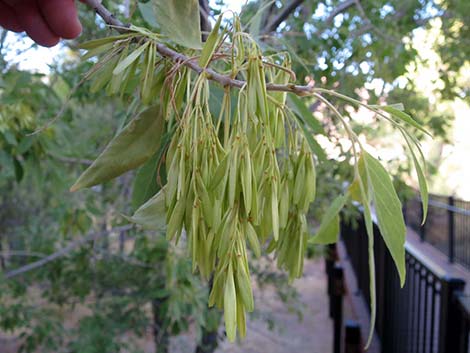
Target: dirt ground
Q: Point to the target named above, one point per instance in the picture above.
(313, 334)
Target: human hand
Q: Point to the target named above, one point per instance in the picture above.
(45, 21)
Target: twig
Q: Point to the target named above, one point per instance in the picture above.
(62, 252)
(173, 55)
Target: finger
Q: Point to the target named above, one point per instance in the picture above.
(8, 18)
(61, 17)
(30, 18)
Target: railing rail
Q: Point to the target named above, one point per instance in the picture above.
(447, 227)
(426, 315)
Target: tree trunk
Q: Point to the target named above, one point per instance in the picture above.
(160, 331)
(209, 341)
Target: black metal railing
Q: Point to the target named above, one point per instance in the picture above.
(346, 334)
(426, 315)
(447, 227)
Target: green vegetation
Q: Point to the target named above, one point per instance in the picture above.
(216, 152)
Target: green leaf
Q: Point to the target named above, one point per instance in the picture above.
(300, 108)
(179, 20)
(402, 116)
(146, 10)
(145, 182)
(136, 143)
(314, 146)
(256, 20)
(152, 214)
(363, 186)
(97, 51)
(95, 43)
(123, 64)
(388, 209)
(397, 106)
(329, 227)
(210, 45)
(423, 186)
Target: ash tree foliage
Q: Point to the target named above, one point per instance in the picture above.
(213, 114)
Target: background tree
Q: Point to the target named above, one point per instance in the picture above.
(115, 271)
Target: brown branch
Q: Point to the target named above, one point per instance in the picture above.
(204, 18)
(173, 55)
(62, 252)
(281, 17)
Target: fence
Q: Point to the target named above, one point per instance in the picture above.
(429, 315)
(336, 291)
(447, 226)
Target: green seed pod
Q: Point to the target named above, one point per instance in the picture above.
(243, 285)
(233, 173)
(241, 319)
(246, 182)
(284, 204)
(175, 223)
(252, 238)
(230, 305)
(299, 181)
(275, 211)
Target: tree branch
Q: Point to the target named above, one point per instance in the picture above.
(341, 8)
(286, 11)
(62, 252)
(204, 18)
(173, 55)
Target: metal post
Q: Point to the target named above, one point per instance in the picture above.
(448, 335)
(330, 259)
(352, 337)
(337, 300)
(451, 229)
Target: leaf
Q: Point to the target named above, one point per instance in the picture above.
(256, 20)
(313, 144)
(329, 227)
(402, 116)
(145, 182)
(299, 108)
(123, 64)
(179, 20)
(95, 43)
(146, 10)
(210, 45)
(97, 51)
(423, 186)
(363, 184)
(152, 214)
(388, 209)
(397, 106)
(136, 143)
